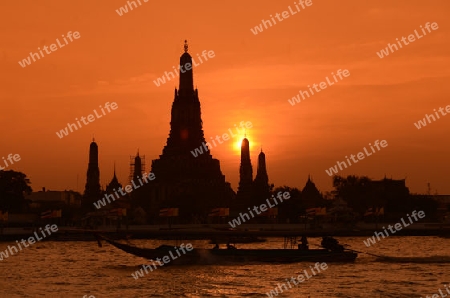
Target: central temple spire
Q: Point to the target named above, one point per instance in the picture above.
(245, 188)
(245, 171)
(186, 131)
(92, 190)
(193, 183)
(261, 183)
(186, 76)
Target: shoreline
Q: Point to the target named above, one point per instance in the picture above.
(200, 232)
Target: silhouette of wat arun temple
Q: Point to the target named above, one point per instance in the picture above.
(192, 184)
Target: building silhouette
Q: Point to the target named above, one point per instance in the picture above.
(195, 185)
(251, 192)
(245, 194)
(114, 185)
(92, 191)
(139, 198)
(261, 183)
(311, 196)
(137, 167)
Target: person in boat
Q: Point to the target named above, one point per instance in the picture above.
(303, 243)
(229, 246)
(216, 247)
(331, 244)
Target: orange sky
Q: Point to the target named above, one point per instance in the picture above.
(250, 78)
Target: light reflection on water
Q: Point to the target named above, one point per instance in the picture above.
(75, 269)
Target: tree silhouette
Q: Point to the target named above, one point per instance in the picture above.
(356, 191)
(289, 209)
(13, 186)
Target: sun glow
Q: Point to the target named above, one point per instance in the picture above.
(237, 144)
(238, 133)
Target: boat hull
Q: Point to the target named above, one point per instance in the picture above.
(216, 256)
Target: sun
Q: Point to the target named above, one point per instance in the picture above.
(237, 145)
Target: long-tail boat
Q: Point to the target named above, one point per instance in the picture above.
(232, 254)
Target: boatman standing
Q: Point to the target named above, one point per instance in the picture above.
(304, 243)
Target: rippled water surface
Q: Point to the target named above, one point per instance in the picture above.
(73, 269)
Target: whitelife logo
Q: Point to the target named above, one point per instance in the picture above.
(285, 14)
(124, 9)
(360, 156)
(440, 292)
(322, 85)
(102, 203)
(53, 48)
(422, 123)
(263, 208)
(397, 226)
(411, 38)
(10, 158)
(197, 151)
(188, 66)
(165, 260)
(278, 290)
(64, 132)
(31, 240)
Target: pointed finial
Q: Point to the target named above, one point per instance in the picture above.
(114, 168)
(185, 46)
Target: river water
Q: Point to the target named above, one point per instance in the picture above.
(74, 269)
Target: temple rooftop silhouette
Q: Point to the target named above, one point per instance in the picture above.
(192, 184)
